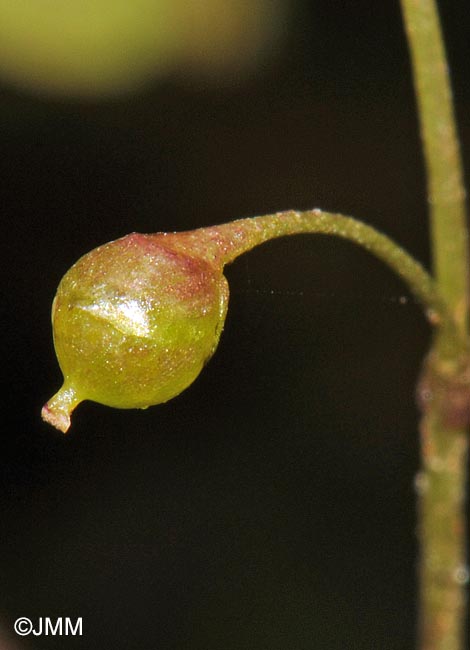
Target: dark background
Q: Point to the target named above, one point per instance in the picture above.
(271, 505)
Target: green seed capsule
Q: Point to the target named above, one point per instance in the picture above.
(135, 320)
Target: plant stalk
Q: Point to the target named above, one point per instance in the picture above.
(226, 242)
(445, 384)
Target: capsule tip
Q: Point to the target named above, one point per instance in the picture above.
(59, 419)
(58, 409)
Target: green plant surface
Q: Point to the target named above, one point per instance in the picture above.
(445, 383)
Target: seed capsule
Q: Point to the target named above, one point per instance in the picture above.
(135, 320)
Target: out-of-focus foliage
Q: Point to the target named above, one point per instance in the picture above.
(96, 47)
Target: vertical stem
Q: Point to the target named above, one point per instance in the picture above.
(445, 387)
(443, 572)
(446, 192)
